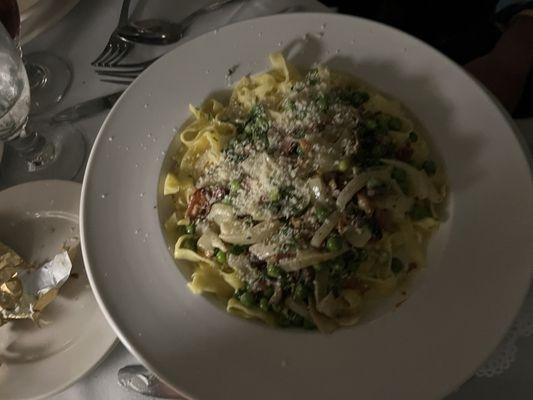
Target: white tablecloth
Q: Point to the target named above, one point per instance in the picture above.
(79, 37)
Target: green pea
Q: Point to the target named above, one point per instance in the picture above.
(399, 175)
(189, 244)
(334, 243)
(373, 183)
(344, 165)
(363, 97)
(296, 320)
(353, 97)
(221, 257)
(300, 292)
(274, 195)
(383, 123)
(273, 271)
(404, 186)
(247, 299)
(321, 213)
(395, 123)
(322, 103)
(308, 324)
(420, 211)
(396, 265)
(234, 185)
(298, 133)
(323, 266)
(289, 105)
(430, 167)
(283, 320)
(338, 265)
(353, 265)
(263, 304)
(371, 124)
(237, 249)
(378, 151)
(190, 229)
(268, 292)
(413, 137)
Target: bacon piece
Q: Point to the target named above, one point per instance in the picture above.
(305, 145)
(404, 153)
(202, 199)
(411, 267)
(288, 146)
(384, 219)
(198, 204)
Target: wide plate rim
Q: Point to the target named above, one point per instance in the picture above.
(108, 314)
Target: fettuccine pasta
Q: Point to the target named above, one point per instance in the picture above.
(302, 197)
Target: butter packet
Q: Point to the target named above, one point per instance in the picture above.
(26, 290)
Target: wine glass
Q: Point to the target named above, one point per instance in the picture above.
(49, 75)
(34, 151)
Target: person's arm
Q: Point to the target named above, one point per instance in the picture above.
(505, 69)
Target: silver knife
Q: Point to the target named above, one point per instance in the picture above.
(86, 108)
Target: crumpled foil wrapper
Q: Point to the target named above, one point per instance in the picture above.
(24, 290)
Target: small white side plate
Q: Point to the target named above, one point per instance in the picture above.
(36, 219)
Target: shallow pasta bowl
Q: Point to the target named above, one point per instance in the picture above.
(478, 263)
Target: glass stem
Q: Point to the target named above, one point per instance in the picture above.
(33, 148)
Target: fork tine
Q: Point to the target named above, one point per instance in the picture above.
(110, 55)
(116, 72)
(122, 74)
(117, 81)
(141, 65)
(122, 52)
(114, 58)
(120, 49)
(103, 54)
(125, 70)
(110, 47)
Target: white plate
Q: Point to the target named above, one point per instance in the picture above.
(479, 262)
(36, 219)
(43, 15)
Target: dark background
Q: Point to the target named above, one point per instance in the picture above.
(463, 30)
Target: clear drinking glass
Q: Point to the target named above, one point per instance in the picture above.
(33, 151)
(49, 77)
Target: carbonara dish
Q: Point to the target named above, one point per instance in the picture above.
(303, 197)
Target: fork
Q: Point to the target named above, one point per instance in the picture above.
(116, 48)
(124, 74)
